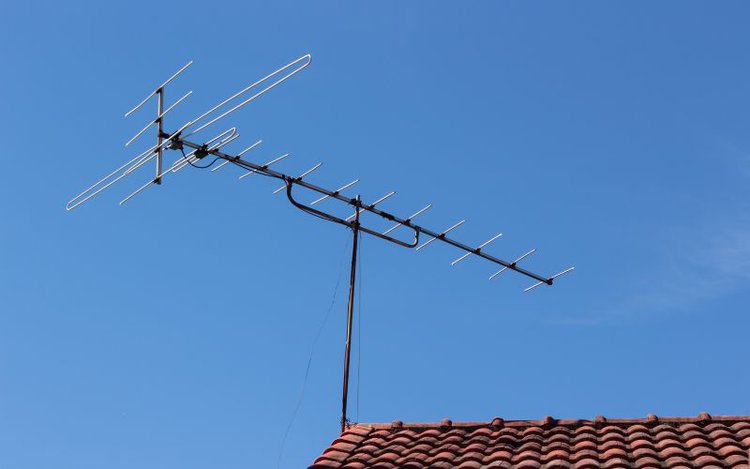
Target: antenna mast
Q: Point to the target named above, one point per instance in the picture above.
(211, 149)
(349, 320)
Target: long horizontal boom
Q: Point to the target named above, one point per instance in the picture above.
(361, 206)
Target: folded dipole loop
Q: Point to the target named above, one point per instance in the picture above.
(305, 59)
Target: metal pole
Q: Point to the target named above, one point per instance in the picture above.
(350, 319)
(160, 132)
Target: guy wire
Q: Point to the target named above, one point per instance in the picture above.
(310, 357)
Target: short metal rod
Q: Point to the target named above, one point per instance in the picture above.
(159, 132)
(349, 320)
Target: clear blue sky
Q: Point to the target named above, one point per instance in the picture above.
(174, 332)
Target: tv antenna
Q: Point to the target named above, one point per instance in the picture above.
(198, 150)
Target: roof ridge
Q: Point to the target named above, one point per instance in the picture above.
(703, 417)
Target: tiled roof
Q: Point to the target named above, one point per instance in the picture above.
(653, 442)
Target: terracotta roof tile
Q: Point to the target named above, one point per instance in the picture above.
(654, 442)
